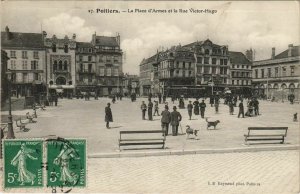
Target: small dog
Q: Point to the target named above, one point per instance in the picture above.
(212, 123)
(189, 131)
(295, 119)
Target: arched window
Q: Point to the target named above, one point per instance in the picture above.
(283, 86)
(60, 65)
(53, 47)
(55, 65)
(66, 48)
(65, 65)
(207, 51)
(275, 86)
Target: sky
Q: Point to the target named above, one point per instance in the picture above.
(240, 24)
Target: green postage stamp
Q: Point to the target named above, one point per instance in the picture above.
(26, 162)
(66, 160)
(22, 163)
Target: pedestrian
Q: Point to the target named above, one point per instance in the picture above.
(164, 98)
(165, 120)
(231, 107)
(256, 106)
(173, 98)
(113, 99)
(202, 108)
(167, 105)
(241, 109)
(156, 109)
(144, 109)
(108, 115)
(150, 107)
(181, 102)
(217, 105)
(175, 119)
(159, 98)
(190, 109)
(211, 100)
(196, 107)
(55, 99)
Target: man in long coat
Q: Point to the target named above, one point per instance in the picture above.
(175, 119)
(165, 120)
(108, 115)
(150, 107)
(196, 107)
(202, 108)
(190, 109)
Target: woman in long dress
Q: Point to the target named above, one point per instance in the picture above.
(63, 160)
(24, 176)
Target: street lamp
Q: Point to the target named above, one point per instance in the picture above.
(10, 133)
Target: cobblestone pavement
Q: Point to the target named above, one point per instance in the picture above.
(274, 172)
(80, 118)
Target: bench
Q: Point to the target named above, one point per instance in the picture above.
(126, 141)
(266, 134)
(20, 124)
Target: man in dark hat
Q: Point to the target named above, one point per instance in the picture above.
(165, 120)
(108, 115)
(190, 109)
(150, 107)
(202, 108)
(175, 119)
(143, 108)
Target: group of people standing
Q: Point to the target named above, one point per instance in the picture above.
(197, 107)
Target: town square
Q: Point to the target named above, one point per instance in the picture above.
(105, 99)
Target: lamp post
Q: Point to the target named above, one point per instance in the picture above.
(10, 133)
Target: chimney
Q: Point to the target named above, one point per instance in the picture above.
(290, 50)
(273, 53)
(249, 55)
(118, 38)
(7, 32)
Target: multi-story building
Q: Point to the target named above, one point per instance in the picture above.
(279, 76)
(85, 67)
(61, 63)
(212, 64)
(176, 70)
(149, 75)
(130, 84)
(26, 62)
(4, 81)
(108, 64)
(241, 73)
(194, 68)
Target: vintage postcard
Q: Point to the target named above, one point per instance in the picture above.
(150, 97)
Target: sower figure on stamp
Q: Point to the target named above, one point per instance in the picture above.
(63, 160)
(144, 109)
(190, 109)
(24, 176)
(175, 119)
(150, 107)
(165, 120)
(108, 115)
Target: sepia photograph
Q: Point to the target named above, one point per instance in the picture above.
(150, 97)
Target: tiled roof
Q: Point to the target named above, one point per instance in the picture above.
(201, 43)
(22, 40)
(284, 54)
(238, 58)
(106, 41)
(84, 44)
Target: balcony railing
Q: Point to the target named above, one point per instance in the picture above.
(86, 71)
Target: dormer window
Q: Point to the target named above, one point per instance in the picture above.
(207, 51)
(53, 47)
(66, 48)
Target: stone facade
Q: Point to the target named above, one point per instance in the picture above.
(27, 61)
(279, 76)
